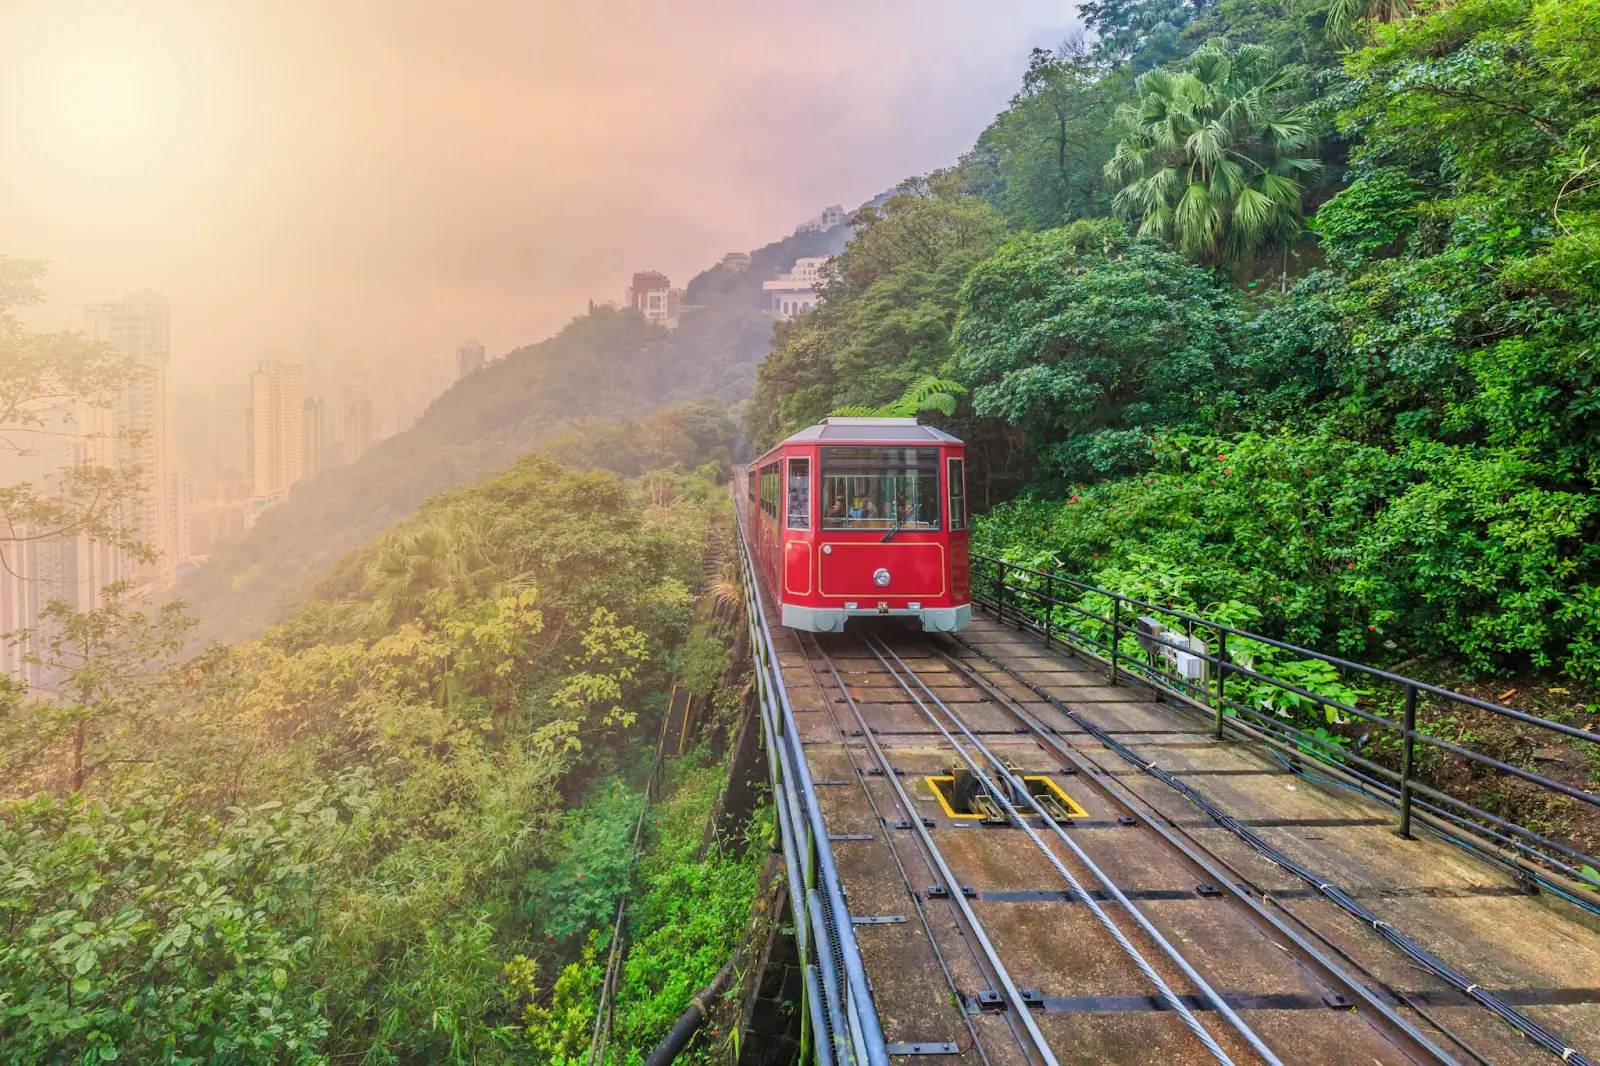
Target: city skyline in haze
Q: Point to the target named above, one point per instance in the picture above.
(393, 178)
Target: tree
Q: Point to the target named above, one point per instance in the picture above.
(59, 388)
(1049, 146)
(1139, 33)
(886, 311)
(1214, 159)
(1089, 342)
(104, 669)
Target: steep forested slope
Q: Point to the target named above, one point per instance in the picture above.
(1287, 309)
(604, 364)
(394, 829)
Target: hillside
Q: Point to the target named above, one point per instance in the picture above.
(1289, 314)
(605, 364)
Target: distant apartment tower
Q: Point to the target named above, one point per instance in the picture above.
(654, 297)
(469, 359)
(316, 444)
(230, 434)
(831, 216)
(277, 430)
(357, 425)
(796, 291)
(139, 328)
(193, 426)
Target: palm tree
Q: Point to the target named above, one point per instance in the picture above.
(1213, 160)
(1344, 14)
(447, 556)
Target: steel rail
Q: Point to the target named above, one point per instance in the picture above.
(1019, 788)
(1178, 1006)
(905, 878)
(1475, 991)
(1001, 974)
(1200, 857)
(834, 932)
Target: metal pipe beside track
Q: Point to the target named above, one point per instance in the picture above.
(1012, 993)
(852, 1014)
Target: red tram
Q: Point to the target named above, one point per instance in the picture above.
(863, 516)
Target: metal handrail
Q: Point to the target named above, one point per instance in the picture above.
(823, 928)
(1016, 596)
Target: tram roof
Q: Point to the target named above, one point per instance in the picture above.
(835, 430)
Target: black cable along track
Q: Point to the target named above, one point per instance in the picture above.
(1529, 1028)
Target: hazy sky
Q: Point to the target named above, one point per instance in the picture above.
(403, 175)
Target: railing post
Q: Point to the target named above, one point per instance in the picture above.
(1222, 673)
(1000, 591)
(1408, 751)
(1116, 632)
(1049, 604)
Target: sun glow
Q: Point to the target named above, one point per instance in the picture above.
(104, 104)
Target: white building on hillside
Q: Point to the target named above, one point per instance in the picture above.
(831, 216)
(796, 291)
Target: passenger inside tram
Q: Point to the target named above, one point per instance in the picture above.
(880, 488)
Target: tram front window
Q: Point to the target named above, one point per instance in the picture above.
(880, 488)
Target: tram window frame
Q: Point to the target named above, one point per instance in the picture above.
(874, 474)
(798, 491)
(753, 496)
(769, 490)
(956, 491)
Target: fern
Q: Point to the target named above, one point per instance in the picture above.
(928, 393)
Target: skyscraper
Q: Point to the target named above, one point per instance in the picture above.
(193, 450)
(277, 429)
(316, 435)
(469, 359)
(230, 435)
(139, 327)
(357, 424)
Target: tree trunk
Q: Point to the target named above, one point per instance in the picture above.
(77, 756)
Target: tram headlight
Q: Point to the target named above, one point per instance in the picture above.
(880, 577)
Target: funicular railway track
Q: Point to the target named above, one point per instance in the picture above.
(1100, 938)
(994, 853)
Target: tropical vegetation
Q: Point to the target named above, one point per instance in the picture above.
(1285, 306)
(394, 828)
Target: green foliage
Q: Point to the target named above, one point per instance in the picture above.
(690, 916)
(63, 383)
(1429, 550)
(1369, 217)
(930, 393)
(144, 932)
(1086, 340)
(1040, 161)
(705, 657)
(1214, 159)
(339, 843)
(594, 864)
(884, 321)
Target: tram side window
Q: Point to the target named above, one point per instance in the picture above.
(752, 497)
(769, 489)
(880, 488)
(958, 493)
(799, 493)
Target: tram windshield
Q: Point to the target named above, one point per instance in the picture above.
(880, 488)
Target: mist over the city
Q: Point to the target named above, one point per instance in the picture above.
(366, 185)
